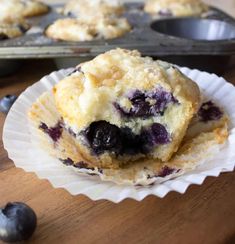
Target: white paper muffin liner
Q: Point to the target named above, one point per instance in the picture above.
(17, 141)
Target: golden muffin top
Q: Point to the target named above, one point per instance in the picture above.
(90, 93)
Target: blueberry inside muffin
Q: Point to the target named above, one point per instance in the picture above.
(121, 107)
(206, 133)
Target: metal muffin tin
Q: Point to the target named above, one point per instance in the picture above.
(166, 37)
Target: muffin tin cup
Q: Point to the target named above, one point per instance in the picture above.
(64, 63)
(190, 37)
(19, 143)
(196, 29)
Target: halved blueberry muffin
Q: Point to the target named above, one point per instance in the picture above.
(179, 8)
(121, 107)
(203, 139)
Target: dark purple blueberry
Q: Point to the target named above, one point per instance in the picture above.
(3, 36)
(137, 96)
(141, 106)
(209, 111)
(131, 144)
(103, 136)
(6, 103)
(165, 171)
(159, 134)
(54, 132)
(82, 165)
(92, 174)
(147, 141)
(140, 109)
(165, 13)
(43, 127)
(67, 161)
(162, 99)
(17, 222)
(155, 135)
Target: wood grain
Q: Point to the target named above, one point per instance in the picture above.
(204, 214)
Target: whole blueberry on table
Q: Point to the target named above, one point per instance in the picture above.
(6, 103)
(17, 222)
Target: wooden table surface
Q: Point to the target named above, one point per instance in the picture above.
(204, 214)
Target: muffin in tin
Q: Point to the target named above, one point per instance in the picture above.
(179, 8)
(122, 107)
(71, 29)
(22, 8)
(84, 8)
(10, 28)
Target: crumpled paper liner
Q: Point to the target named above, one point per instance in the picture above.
(18, 142)
(203, 141)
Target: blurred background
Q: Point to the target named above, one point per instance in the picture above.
(226, 5)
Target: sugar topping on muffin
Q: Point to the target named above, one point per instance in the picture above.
(122, 107)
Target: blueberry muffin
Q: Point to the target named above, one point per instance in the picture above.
(179, 8)
(22, 8)
(84, 8)
(12, 28)
(87, 29)
(205, 136)
(33, 8)
(121, 107)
